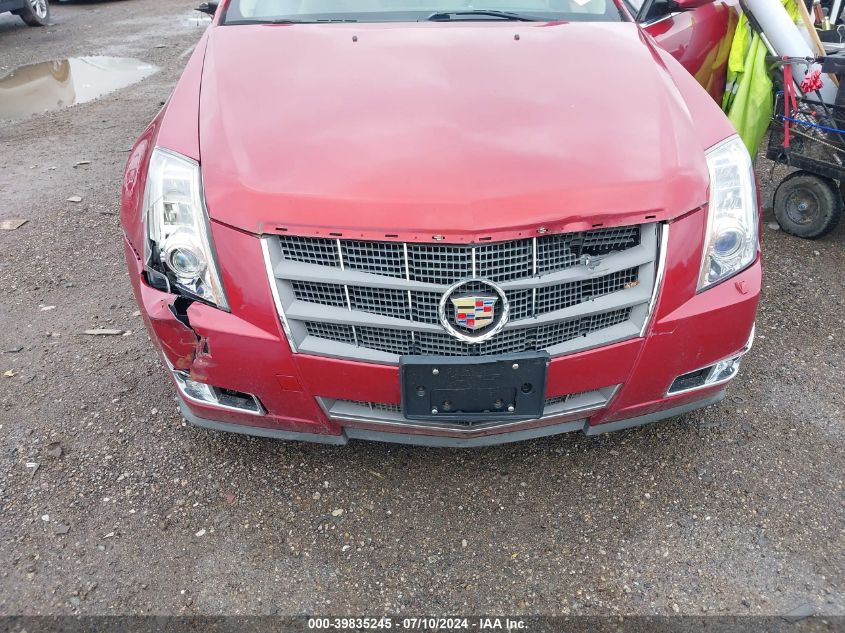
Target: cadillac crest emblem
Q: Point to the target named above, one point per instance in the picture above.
(473, 310)
(474, 313)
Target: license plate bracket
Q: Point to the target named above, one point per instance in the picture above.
(487, 388)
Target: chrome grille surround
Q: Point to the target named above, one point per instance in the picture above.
(375, 301)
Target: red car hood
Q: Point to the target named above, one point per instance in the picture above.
(463, 130)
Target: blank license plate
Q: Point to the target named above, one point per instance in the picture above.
(447, 388)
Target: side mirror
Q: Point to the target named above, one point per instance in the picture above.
(688, 5)
(209, 7)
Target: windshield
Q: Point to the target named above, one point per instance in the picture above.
(269, 11)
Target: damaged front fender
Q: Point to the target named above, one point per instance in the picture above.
(227, 351)
(182, 326)
(177, 339)
(238, 348)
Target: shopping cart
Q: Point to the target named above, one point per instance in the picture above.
(809, 135)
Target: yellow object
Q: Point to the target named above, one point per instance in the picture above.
(748, 99)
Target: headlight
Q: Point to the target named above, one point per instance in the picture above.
(731, 242)
(178, 247)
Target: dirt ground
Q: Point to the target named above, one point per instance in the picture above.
(111, 504)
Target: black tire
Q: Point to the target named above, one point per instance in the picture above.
(35, 13)
(807, 205)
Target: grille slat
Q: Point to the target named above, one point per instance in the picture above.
(449, 263)
(401, 342)
(520, 265)
(424, 305)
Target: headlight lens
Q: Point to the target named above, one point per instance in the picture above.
(731, 243)
(178, 243)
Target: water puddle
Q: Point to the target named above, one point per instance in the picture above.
(54, 85)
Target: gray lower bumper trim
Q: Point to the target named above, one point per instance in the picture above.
(453, 442)
(258, 431)
(464, 442)
(657, 415)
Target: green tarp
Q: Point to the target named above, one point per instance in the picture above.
(748, 99)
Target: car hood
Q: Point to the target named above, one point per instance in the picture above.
(462, 130)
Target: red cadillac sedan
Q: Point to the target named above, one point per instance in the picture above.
(446, 224)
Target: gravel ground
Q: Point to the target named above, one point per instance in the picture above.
(734, 510)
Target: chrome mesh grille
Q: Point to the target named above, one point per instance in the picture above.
(504, 261)
(422, 306)
(396, 408)
(444, 345)
(448, 263)
(557, 333)
(374, 406)
(603, 241)
(316, 292)
(386, 340)
(378, 300)
(399, 342)
(331, 331)
(564, 295)
(439, 264)
(309, 250)
(380, 258)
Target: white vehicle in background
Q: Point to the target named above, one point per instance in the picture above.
(33, 12)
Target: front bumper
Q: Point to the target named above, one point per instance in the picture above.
(353, 433)
(247, 351)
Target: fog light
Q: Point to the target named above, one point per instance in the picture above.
(196, 390)
(715, 374)
(721, 372)
(217, 396)
(725, 369)
(692, 380)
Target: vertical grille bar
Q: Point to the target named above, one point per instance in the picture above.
(534, 274)
(410, 294)
(474, 269)
(346, 288)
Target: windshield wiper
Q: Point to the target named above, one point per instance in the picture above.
(445, 16)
